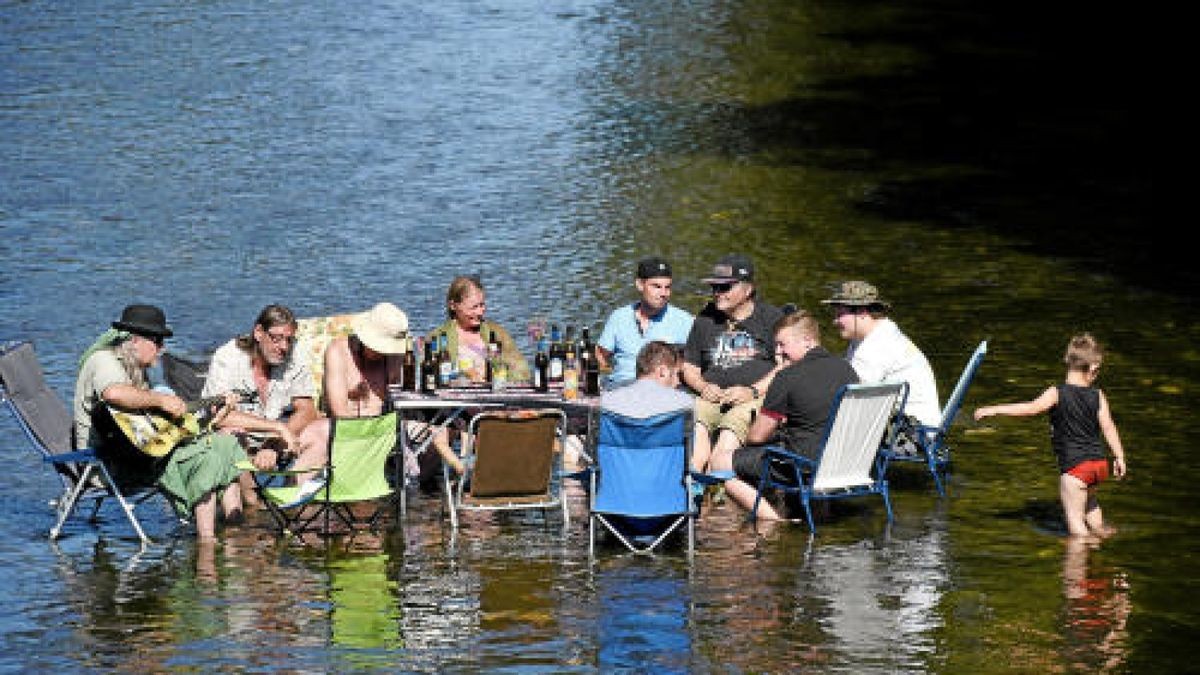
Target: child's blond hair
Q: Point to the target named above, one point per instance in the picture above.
(1083, 353)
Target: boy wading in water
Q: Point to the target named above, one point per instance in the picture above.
(1079, 415)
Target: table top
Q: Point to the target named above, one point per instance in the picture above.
(480, 396)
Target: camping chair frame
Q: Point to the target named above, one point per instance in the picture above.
(850, 461)
(625, 489)
(367, 443)
(489, 482)
(82, 474)
(931, 442)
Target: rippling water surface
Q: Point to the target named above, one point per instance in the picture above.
(214, 157)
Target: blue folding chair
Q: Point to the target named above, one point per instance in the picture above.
(641, 482)
(849, 462)
(930, 446)
(47, 425)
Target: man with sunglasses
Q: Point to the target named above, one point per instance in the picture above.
(199, 471)
(272, 423)
(729, 361)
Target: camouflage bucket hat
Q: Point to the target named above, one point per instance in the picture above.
(856, 294)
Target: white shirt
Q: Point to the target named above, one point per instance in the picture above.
(886, 354)
(230, 370)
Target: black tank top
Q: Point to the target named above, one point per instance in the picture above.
(1075, 426)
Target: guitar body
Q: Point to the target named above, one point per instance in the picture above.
(152, 433)
(149, 435)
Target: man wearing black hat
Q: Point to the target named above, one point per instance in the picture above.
(631, 327)
(729, 361)
(112, 373)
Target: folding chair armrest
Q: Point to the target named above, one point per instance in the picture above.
(247, 465)
(711, 477)
(583, 475)
(84, 455)
(779, 452)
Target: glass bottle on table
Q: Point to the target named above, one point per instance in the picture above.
(429, 368)
(445, 368)
(408, 379)
(556, 356)
(589, 365)
(541, 366)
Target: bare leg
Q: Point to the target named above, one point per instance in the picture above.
(246, 489)
(722, 452)
(701, 447)
(441, 443)
(1093, 517)
(743, 493)
(313, 452)
(205, 513)
(231, 502)
(1074, 496)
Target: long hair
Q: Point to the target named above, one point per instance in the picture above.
(270, 317)
(128, 359)
(459, 287)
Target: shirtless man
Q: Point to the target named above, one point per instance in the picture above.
(358, 369)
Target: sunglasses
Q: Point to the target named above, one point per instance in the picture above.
(722, 288)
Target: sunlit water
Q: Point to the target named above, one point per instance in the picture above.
(214, 157)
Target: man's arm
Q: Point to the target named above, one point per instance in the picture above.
(132, 398)
(690, 374)
(762, 430)
(303, 412)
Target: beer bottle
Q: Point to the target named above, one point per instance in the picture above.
(408, 364)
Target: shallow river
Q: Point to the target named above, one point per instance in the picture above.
(213, 157)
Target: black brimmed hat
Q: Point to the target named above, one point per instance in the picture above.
(146, 320)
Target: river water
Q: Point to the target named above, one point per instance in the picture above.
(987, 171)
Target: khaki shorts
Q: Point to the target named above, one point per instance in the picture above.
(737, 419)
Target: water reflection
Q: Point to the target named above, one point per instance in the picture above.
(643, 614)
(1097, 609)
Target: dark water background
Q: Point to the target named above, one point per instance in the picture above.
(988, 165)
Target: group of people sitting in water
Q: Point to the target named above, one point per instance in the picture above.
(751, 373)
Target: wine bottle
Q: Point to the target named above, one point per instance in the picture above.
(408, 364)
(541, 368)
(556, 355)
(445, 361)
(429, 368)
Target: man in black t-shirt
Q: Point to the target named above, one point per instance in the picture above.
(728, 362)
(796, 408)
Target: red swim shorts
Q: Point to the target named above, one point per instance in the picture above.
(1091, 472)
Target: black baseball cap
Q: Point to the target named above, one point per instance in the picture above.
(731, 268)
(649, 268)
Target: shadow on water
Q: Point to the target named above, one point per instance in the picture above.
(1023, 119)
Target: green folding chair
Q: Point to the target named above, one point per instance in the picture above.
(355, 473)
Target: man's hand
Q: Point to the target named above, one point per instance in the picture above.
(712, 393)
(737, 395)
(172, 405)
(265, 459)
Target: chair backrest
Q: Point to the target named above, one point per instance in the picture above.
(954, 403)
(858, 419)
(39, 411)
(184, 376)
(358, 452)
(514, 453)
(642, 464)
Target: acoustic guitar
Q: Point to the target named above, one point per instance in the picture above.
(154, 433)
